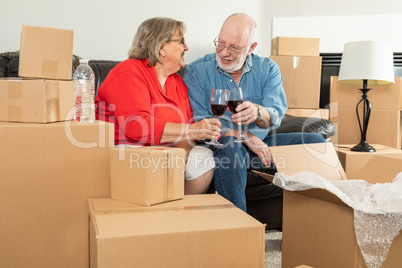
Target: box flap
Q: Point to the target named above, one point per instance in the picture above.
(320, 158)
(193, 213)
(107, 205)
(381, 168)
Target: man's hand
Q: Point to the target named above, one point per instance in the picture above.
(247, 113)
(260, 149)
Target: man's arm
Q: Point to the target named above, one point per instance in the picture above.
(199, 98)
(273, 99)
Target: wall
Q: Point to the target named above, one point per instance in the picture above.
(310, 8)
(335, 31)
(104, 29)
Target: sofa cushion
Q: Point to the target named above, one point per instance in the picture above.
(3, 66)
(101, 69)
(290, 123)
(12, 70)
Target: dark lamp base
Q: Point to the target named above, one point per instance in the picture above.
(363, 146)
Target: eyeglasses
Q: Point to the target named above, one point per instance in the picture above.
(180, 40)
(231, 49)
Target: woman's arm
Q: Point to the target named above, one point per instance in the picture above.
(208, 128)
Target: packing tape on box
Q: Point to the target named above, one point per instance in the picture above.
(14, 92)
(49, 68)
(167, 178)
(164, 209)
(173, 171)
(296, 61)
(377, 208)
(52, 101)
(169, 194)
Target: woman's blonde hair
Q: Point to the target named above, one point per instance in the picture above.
(150, 37)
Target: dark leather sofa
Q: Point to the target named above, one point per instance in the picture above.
(264, 200)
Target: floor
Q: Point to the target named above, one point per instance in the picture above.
(273, 249)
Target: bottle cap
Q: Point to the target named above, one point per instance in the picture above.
(83, 61)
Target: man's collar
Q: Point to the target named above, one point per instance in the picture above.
(248, 65)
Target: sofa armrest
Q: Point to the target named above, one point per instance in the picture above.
(290, 123)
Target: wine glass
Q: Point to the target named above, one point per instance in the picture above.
(218, 106)
(235, 99)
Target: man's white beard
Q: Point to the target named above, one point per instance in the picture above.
(235, 66)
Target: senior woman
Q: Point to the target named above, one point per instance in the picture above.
(148, 102)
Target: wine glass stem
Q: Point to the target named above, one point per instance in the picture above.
(216, 117)
(241, 130)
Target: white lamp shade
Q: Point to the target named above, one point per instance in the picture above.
(370, 60)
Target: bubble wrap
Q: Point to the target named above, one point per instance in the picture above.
(377, 209)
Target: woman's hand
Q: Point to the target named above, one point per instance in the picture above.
(260, 149)
(207, 128)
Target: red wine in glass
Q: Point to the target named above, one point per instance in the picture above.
(235, 99)
(218, 109)
(232, 104)
(218, 106)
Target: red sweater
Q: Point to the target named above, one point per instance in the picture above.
(132, 98)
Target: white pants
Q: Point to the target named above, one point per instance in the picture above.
(199, 161)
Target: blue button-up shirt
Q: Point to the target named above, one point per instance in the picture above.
(261, 82)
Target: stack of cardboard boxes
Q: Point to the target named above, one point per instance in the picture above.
(149, 222)
(50, 166)
(385, 125)
(44, 91)
(318, 227)
(300, 65)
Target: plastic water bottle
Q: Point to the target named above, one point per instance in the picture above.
(84, 89)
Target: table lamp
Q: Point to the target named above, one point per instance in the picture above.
(367, 63)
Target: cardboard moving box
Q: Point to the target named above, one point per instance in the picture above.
(384, 127)
(46, 53)
(295, 46)
(47, 174)
(147, 175)
(301, 80)
(380, 97)
(319, 230)
(36, 100)
(316, 113)
(197, 231)
(380, 166)
(318, 227)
